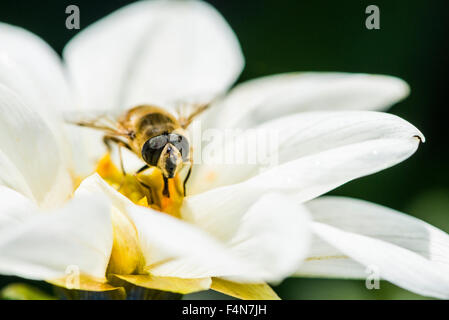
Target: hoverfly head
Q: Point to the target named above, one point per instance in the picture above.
(167, 152)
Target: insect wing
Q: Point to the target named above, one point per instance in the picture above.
(95, 120)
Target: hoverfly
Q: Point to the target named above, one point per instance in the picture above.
(155, 136)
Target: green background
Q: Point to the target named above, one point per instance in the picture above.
(285, 36)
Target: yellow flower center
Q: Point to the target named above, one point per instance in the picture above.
(144, 188)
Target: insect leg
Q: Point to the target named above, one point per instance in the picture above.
(108, 140)
(187, 178)
(121, 158)
(166, 192)
(142, 169)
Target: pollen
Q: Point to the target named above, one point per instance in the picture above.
(144, 188)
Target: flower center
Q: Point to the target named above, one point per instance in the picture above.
(145, 188)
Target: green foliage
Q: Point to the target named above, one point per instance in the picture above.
(22, 291)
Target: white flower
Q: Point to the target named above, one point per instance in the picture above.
(239, 226)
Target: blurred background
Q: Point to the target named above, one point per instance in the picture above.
(284, 36)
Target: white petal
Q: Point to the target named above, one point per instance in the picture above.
(163, 239)
(154, 52)
(76, 237)
(170, 246)
(383, 223)
(311, 176)
(177, 249)
(374, 221)
(11, 176)
(95, 184)
(273, 232)
(32, 69)
(259, 245)
(15, 209)
(395, 264)
(30, 158)
(259, 100)
(330, 264)
(315, 152)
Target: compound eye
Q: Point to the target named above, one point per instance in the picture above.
(152, 149)
(181, 143)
